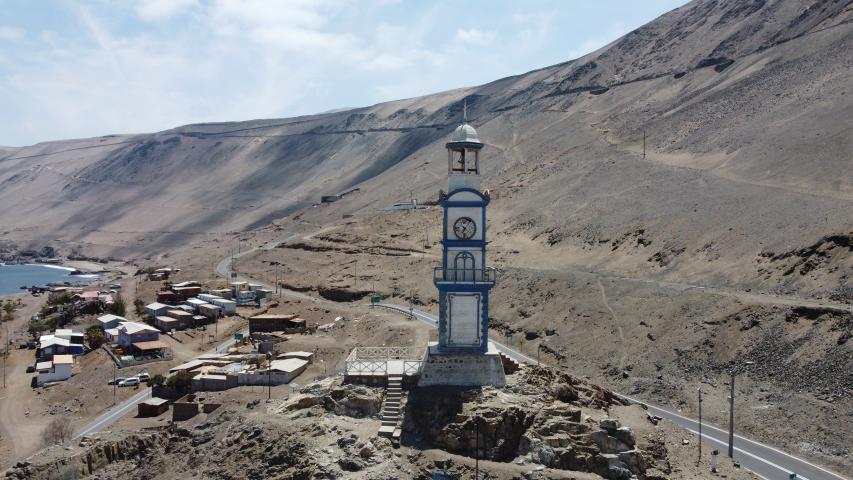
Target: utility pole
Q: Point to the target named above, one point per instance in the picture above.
(356, 274)
(477, 452)
(269, 376)
(732, 418)
(644, 143)
(732, 412)
(114, 383)
(699, 460)
(5, 353)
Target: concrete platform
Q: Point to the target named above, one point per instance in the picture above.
(462, 369)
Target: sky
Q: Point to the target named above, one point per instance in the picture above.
(73, 69)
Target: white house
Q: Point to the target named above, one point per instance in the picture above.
(288, 369)
(229, 307)
(209, 298)
(111, 335)
(54, 371)
(195, 303)
(76, 338)
(110, 321)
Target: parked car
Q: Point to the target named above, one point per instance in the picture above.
(129, 382)
(116, 286)
(31, 368)
(32, 345)
(116, 381)
(143, 377)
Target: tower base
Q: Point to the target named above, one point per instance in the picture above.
(462, 369)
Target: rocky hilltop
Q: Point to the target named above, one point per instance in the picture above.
(543, 425)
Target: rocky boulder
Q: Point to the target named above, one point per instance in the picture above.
(349, 400)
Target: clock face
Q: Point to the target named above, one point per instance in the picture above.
(464, 228)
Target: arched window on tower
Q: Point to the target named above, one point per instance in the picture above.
(464, 160)
(463, 267)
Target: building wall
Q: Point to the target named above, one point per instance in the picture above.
(276, 378)
(124, 339)
(57, 373)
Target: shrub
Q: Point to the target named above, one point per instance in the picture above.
(60, 299)
(57, 431)
(95, 336)
(139, 305)
(35, 328)
(181, 380)
(119, 307)
(156, 381)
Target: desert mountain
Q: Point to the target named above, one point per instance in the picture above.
(745, 108)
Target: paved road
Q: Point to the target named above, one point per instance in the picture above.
(763, 460)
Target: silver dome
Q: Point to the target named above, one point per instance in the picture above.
(465, 133)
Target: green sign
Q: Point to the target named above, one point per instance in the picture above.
(376, 299)
(238, 336)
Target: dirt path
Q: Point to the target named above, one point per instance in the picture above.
(616, 323)
(748, 297)
(21, 428)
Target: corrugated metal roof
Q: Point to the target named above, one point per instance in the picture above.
(63, 359)
(289, 365)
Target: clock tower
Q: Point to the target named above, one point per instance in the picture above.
(462, 279)
(463, 355)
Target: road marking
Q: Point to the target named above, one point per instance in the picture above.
(828, 472)
(768, 462)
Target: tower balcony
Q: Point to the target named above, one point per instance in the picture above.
(477, 276)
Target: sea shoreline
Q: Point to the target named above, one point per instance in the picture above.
(27, 280)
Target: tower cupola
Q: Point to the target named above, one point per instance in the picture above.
(463, 156)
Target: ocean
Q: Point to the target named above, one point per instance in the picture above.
(12, 277)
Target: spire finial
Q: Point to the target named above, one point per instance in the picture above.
(465, 111)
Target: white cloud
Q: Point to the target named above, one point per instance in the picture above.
(11, 33)
(474, 37)
(121, 67)
(155, 10)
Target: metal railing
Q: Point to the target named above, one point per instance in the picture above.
(464, 275)
(374, 360)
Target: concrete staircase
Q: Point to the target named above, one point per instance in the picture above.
(510, 365)
(392, 408)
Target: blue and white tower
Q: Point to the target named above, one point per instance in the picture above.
(463, 355)
(463, 279)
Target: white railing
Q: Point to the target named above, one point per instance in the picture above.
(374, 360)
